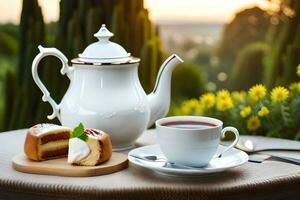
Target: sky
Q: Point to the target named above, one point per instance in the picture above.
(160, 10)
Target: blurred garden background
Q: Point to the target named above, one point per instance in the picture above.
(241, 57)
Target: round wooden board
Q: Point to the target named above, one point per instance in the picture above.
(61, 167)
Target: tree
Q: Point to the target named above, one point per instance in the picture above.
(249, 25)
(21, 102)
(284, 39)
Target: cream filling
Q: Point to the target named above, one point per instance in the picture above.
(54, 145)
(78, 150)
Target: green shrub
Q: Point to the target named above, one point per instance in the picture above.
(187, 82)
(248, 67)
(10, 29)
(274, 113)
(8, 44)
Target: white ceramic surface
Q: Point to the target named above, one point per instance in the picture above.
(192, 147)
(230, 159)
(108, 97)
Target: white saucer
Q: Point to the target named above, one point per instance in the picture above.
(230, 159)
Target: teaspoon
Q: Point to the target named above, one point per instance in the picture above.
(153, 158)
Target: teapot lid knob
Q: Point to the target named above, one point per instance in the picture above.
(103, 34)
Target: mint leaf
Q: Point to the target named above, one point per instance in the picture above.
(83, 137)
(78, 132)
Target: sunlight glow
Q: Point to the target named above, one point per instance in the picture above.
(199, 10)
(196, 10)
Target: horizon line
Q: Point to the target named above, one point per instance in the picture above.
(155, 21)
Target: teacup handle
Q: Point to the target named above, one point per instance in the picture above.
(223, 133)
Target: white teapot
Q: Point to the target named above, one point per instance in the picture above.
(105, 91)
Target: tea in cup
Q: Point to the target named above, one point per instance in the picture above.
(191, 140)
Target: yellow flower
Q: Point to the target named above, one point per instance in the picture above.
(208, 100)
(193, 103)
(253, 123)
(263, 111)
(238, 96)
(295, 86)
(199, 110)
(224, 101)
(279, 94)
(185, 110)
(224, 104)
(223, 94)
(298, 70)
(257, 92)
(245, 111)
(188, 107)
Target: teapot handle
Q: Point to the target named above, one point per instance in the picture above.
(64, 70)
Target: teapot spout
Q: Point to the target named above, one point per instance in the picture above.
(159, 98)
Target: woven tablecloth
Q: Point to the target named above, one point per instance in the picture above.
(271, 179)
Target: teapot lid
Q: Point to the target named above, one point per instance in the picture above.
(104, 51)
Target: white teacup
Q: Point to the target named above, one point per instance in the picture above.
(191, 145)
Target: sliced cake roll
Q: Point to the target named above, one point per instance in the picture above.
(47, 141)
(89, 147)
